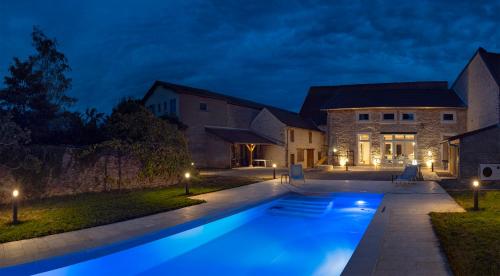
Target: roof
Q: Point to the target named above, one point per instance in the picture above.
(293, 119)
(238, 135)
(202, 93)
(492, 61)
(399, 94)
(287, 117)
(470, 133)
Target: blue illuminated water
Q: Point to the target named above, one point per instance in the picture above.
(257, 241)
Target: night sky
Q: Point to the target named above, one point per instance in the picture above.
(265, 51)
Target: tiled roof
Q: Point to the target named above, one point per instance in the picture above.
(285, 116)
(404, 94)
(293, 119)
(238, 136)
(465, 134)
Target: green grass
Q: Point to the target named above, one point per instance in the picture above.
(471, 240)
(68, 213)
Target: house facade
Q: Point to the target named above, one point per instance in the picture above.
(389, 124)
(385, 124)
(220, 129)
(478, 85)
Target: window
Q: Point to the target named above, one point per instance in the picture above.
(203, 107)
(364, 137)
(292, 159)
(388, 117)
(165, 106)
(300, 155)
(310, 137)
(292, 135)
(448, 117)
(408, 116)
(363, 116)
(159, 108)
(173, 107)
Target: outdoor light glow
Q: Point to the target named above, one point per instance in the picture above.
(192, 163)
(413, 143)
(274, 165)
(187, 175)
(15, 193)
(429, 153)
(429, 163)
(334, 149)
(343, 161)
(414, 162)
(475, 183)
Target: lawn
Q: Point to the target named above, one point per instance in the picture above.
(471, 240)
(68, 213)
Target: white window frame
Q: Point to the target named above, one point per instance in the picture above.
(363, 112)
(446, 121)
(388, 121)
(414, 121)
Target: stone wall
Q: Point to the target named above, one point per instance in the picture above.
(75, 177)
(343, 129)
(480, 148)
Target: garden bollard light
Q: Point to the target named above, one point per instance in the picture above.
(475, 185)
(15, 195)
(186, 183)
(274, 171)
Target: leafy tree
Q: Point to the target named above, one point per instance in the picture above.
(35, 91)
(133, 130)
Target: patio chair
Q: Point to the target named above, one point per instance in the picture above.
(409, 175)
(296, 174)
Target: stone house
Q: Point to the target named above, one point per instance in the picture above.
(221, 131)
(387, 124)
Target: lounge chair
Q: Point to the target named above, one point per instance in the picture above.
(296, 174)
(409, 175)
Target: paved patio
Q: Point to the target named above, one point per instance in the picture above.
(400, 239)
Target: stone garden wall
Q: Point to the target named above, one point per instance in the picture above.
(70, 175)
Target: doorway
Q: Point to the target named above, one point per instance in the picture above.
(310, 158)
(364, 149)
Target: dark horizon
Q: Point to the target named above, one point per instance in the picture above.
(264, 52)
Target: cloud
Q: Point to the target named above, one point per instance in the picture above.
(267, 51)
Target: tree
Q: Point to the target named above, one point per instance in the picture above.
(131, 129)
(35, 92)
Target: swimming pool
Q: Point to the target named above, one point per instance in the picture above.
(293, 235)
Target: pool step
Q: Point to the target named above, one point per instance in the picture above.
(302, 206)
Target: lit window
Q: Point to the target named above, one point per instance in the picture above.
(399, 137)
(364, 137)
(387, 137)
(203, 107)
(409, 137)
(408, 116)
(388, 116)
(363, 117)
